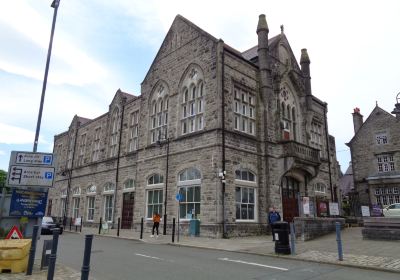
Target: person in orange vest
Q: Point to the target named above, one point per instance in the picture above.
(156, 223)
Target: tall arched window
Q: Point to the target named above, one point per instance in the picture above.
(90, 201)
(189, 187)
(76, 192)
(108, 200)
(114, 133)
(192, 102)
(154, 194)
(245, 195)
(244, 111)
(159, 114)
(288, 114)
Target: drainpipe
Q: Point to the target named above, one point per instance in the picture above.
(224, 233)
(70, 171)
(118, 158)
(327, 150)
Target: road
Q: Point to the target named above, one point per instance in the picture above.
(130, 259)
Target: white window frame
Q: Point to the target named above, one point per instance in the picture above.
(96, 144)
(159, 115)
(246, 179)
(157, 188)
(75, 206)
(244, 111)
(247, 203)
(192, 116)
(108, 212)
(133, 131)
(91, 201)
(189, 179)
(114, 133)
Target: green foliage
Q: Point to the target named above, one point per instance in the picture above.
(3, 178)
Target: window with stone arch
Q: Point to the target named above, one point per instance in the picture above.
(189, 186)
(159, 113)
(114, 133)
(108, 201)
(154, 195)
(245, 195)
(192, 101)
(288, 114)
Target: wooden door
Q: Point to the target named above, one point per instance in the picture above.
(290, 208)
(127, 210)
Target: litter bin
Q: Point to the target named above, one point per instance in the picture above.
(282, 231)
(194, 227)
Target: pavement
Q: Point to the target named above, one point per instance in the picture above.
(366, 254)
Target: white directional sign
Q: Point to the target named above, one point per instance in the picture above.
(29, 158)
(21, 175)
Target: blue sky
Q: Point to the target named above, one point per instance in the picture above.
(101, 46)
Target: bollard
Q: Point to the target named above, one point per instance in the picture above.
(173, 230)
(339, 241)
(32, 251)
(141, 229)
(100, 226)
(292, 239)
(53, 255)
(70, 224)
(81, 224)
(86, 257)
(119, 224)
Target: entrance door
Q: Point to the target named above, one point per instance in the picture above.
(127, 210)
(290, 191)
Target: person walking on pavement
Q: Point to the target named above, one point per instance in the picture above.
(156, 223)
(273, 217)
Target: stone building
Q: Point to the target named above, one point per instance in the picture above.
(233, 132)
(375, 157)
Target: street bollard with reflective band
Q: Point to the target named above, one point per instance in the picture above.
(292, 239)
(53, 255)
(339, 241)
(141, 229)
(32, 251)
(86, 257)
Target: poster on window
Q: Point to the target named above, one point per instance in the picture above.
(323, 209)
(365, 211)
(333, 208)
(306, 205)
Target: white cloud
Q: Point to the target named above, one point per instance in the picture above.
(17, 135)
(2, 153)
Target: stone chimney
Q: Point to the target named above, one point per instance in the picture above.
(357, 119)
(305, 68)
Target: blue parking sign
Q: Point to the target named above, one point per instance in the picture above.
(48, 175)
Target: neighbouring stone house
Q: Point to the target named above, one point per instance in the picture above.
(232, 132)
(375, 157)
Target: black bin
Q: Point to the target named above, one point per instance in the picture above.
(281, 230)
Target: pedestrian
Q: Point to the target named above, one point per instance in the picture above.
(273, 217)
(156, 223)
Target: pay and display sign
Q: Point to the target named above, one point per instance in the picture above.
(31, 169)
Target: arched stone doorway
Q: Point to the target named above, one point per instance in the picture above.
(290, 194)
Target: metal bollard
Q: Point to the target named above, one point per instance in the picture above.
(141, 229)
(339, 241)
(173, 230)
(100, 226)
(32, 251)
(292, 239)
(81, 224)
(119, 224)
(86, 257)
(70, 224)
(53, 255)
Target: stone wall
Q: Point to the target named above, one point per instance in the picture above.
(311, 228)
(381, 228)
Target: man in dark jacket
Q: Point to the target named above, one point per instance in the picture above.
(273, 217)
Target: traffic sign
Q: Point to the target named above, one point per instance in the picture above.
(21, 175)
(179, 197)
(14, 233)
(30, 158)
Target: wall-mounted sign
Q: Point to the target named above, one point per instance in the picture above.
(28, 203)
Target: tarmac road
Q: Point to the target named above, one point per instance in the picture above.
(130, 259)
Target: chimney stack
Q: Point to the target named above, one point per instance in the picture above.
(305, 68)
(357, 119)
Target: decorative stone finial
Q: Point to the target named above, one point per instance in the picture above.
(304, 56)
(282, 29)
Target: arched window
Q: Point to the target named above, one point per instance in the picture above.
(159, 114)
(108, 201)
(154, 195)
(189, 187)
(114, 133)
(245, 195)
(129, 185)
(192, 102)
(288, 113)
(90, 202)
(76, 192)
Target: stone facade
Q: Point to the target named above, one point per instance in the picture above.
(235, 133)
(375, 156)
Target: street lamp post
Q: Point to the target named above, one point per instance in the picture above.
(54, 5)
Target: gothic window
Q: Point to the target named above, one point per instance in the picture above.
(96, 144)
(82, 149)
(192, 102)
(114, 134)
(71, 148)
(159, 114)
(288, 114)
(133, 131)
(244, 111)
